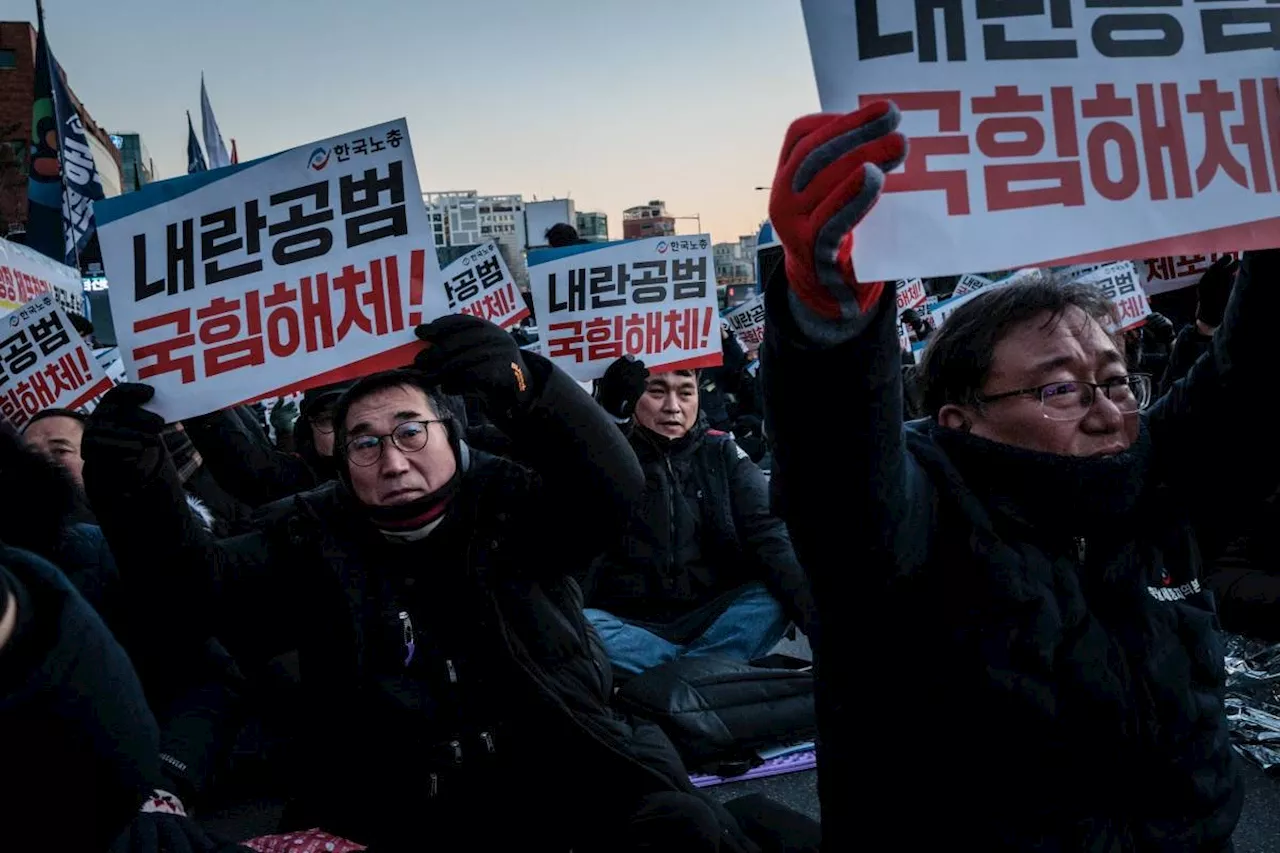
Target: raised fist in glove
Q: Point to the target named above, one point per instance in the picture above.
(830, 175)
(622, 385)
(1214, 290)
(467, 355)
(122, 441)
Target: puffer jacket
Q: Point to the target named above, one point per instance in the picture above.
(318, 577)
(1045, 655)
(701, 532)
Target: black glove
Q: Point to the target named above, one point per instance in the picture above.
(621, 385)
(1160, 329)
(467, 355)
(1214, 290)
(122, 441)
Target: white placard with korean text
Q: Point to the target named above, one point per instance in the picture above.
(479, 284)
(1060, 131)
(1160, 275)
(25, 274)
(911, 294)
(1121, 284)
(746, 322)
(653, 298)
(969, 283)
(268, 277)
(44, 363)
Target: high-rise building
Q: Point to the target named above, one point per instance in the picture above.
(647, 220)
(466, 218)
(136, 167)
(593, 226)
(17, 91)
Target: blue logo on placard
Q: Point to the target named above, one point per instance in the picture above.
(662, 247)
(319, 159)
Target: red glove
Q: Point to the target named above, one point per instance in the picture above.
(830, 175)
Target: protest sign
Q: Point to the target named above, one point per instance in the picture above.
(969, 283)
(911, 294)
(746, 321)
(1119, 283)
(44, 364)
(267, 277)
(1059, 132)
(1160, 275)
(479, 284)
(941, 310)
(653, 298)
(25, 274)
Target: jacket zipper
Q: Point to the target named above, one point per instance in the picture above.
(671, 517)
(453, 673)
(406, 625)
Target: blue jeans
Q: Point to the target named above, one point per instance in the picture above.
(750, 627)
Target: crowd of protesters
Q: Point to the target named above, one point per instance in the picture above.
(418, 595)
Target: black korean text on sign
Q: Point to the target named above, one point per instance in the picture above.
(229, 243)
(302, 235)
(1129, 29)
(1144, 126)
(235, 333)
(220, 236)
(648, 283)
(366, 218)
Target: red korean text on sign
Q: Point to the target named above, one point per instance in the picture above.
(653, 334)
(230, 334)
(1143, 126)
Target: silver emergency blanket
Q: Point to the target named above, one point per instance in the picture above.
(1253, 699)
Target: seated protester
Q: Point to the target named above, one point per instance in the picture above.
(454, 688)
(1028, 555)
(81, 746)
(193, 688)
(703, 567)
(57, 434)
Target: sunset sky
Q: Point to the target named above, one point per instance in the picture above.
(612, 102)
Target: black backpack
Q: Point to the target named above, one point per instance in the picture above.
(719, 712)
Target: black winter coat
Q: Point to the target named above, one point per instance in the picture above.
(1053, 685)
(81, 745)
(702, 530)
(245, 464)
(319, 578)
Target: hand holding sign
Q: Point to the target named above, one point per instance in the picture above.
(465, 354)
(122, 442)
(830, 175)
(1214, 290)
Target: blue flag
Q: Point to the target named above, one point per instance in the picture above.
(195, 157)
(81, 186)
(44, 181)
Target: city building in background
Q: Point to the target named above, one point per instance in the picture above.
(736, 262)
(593, 226)
(137, 169)
(647, 220)
(466, 219)
(539, 216)
(17, 91)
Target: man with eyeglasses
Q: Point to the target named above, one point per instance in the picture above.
(1018, 647)
(453, 689)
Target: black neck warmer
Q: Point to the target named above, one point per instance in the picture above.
(1047, 490)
